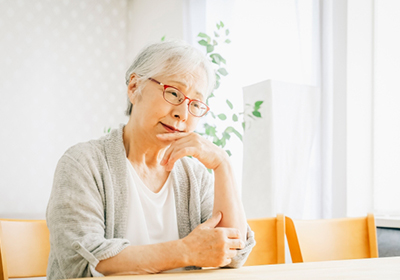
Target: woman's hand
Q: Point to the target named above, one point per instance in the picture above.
(191, 144)
(208, 246)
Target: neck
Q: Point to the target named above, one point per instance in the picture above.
(139, 150)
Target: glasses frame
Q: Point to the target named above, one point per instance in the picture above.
(190, 100)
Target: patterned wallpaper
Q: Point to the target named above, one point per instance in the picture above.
(62, 66)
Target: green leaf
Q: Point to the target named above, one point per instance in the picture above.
(217, 84)
(203, 42)
(215, 43)
(210, 48)
(218, 26)
(223, 142)
(217, 57)
(226, 135)
(210, 130)
(212, 114)
(227, 32)
(229, 129)
(222, 117)
(209, 170)
(229, 104)
(258, 103)
(228, 152)
(218, 142)
(163, 38)
(257, 114)
(235, 118)
(216, 34)
(223, 71)
(221, 24)
(244, 125)
(227, 41)
(217, 77)
(204, 35)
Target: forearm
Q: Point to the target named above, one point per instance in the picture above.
(145, 259)
(227, 200)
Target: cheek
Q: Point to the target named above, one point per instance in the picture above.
(192, 124)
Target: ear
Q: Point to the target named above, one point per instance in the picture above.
(132, 87)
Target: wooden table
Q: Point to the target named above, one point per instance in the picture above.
(365, 269)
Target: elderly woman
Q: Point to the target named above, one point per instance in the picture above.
(133, 202)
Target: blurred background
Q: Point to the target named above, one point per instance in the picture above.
(326, 145)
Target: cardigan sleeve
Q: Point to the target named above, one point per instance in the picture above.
(207, 204)
(76, 220)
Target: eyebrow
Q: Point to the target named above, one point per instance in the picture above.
(185, 85)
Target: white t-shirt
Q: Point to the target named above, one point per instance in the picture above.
(151, 216)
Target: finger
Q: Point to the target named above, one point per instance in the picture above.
(178, 153)
(213, 221)
(232, 233)
(176, 145)
(228, 261)
(167, 154)
(172, 136)
(232, 253)
(235, 244)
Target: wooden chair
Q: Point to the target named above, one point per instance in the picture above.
(269, 234)
(332, 239)
(24, 248)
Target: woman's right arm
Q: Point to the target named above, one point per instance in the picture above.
(205, 246)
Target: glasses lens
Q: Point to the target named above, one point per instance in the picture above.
(173, 96)
(197, 108)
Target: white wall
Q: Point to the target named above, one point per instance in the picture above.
(281, 151)
(150, 20)
(359, 107)
(386, 111)
(62, 68)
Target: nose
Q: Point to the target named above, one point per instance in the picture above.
(181, 111)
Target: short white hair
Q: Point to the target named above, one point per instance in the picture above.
(170, 58)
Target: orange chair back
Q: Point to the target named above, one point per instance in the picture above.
(24, 248)
(332, 239)
(269, 234)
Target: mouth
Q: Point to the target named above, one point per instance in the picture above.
(170, 129)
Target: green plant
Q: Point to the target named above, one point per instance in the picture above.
(221, 134)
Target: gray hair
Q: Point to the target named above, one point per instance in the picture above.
(170, 58)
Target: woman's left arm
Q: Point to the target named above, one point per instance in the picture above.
(226, 196)
(227, 200)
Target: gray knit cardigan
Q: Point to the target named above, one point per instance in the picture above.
(87, 210)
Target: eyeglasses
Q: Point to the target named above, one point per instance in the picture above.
(173, 96)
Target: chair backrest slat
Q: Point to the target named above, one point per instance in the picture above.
(270, 241)
(24, 248)
(332, 239)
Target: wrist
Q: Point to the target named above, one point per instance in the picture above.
(184, 252)
(224, 159)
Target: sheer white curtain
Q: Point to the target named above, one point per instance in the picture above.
(278, 41)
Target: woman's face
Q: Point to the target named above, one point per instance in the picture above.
(153, 115)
